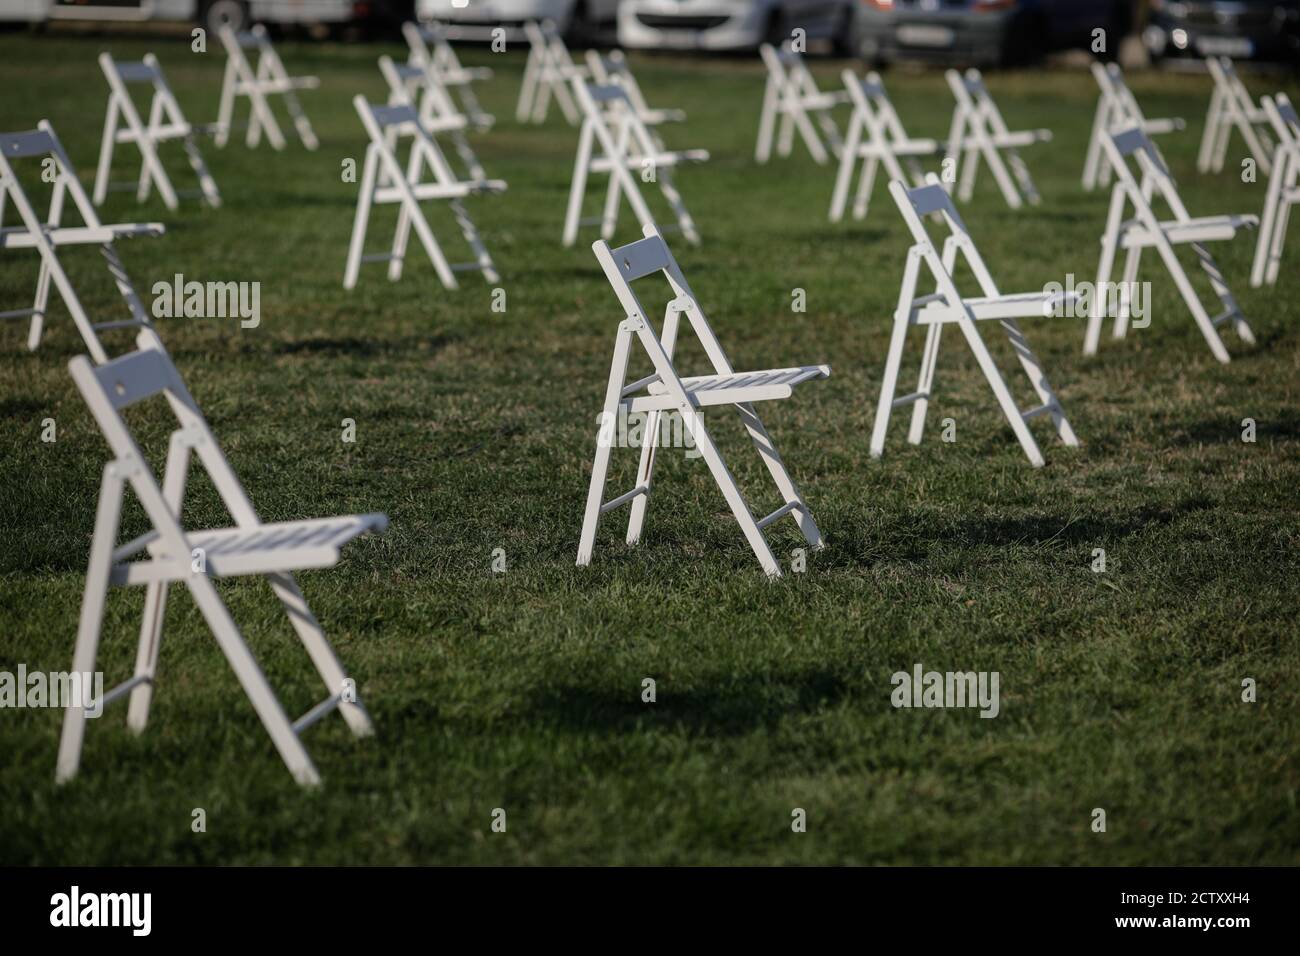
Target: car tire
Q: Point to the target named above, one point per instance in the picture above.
(219, 13)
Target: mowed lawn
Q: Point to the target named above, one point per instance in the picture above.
(475, 432)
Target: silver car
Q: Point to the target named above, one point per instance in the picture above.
(732, 24)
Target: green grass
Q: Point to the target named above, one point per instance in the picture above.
(475, 431)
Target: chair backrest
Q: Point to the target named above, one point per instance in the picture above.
(386, 124)
(114, 386)
(931, 201)
(1152, 175)
(613, 118)
(646, 257)
(1110, 78)
(611, 69)
(974, 98)
(1282, 117)
(421, 87)
(122, 76)
(871, 101)
(42, 142)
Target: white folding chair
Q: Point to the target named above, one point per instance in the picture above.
(383, 181)
(1145, 230)
(947, 305)
(547, 73)
(1117, 109)
(269, 78)
(791, 95)
(439, 115)
(612, 68)
(1231, 108)
(1283, 192)
(666, 391)
(169, 553)
(613, 140)
(875, 136)
(979, 131)
(432, 51)
(46, 236)
(166, 123)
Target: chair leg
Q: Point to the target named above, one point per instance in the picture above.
(1131, 261)
(146, 658)
(1038, 379)
(253, 681)
(780, 475)
(644, 475)
(578, 188)
(1001, 392)
(1226, 298)
(92, 616)
(318, 647)
(39, 306)
(604, 443)
(1192, 301)
(925, 383)
(893, 361)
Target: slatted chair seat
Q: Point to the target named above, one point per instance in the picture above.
(1145, 230)
(732, 389)
(235, 552)
(194, 558)
(268, 78)
(166, 124)
(54, 231)
(667, 391)
(946, 305)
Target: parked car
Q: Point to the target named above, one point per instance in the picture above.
(732, 24)
(210, 13)
(1242, 29)
(576, 19)
(985, 32)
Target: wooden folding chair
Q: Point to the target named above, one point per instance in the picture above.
(166, 123)
(947, 305)
(439, 115)
(875, 136)
(791, 95)
(383, 181)
(46, 236)
(1231, 107)
(269, 78)
(1283, 192)
(1117, 109)
(431, 50)
(547, 73)
(169, 553)
(613, 140)
(979, 131)
(612, 68)
(1145, 230)
(666, 391)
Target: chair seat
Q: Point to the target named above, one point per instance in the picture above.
(733, 389)
(932, 309)
(231, 552)
(20, 237)
(1202, 229)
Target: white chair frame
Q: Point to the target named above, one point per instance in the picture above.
(1231, 107)
(168, 554)
(946, 305)
(166, 123)
(1145, 230)
(613, 140)
(430, 49)
(548, 71)
(439, 115)
(877, 138)
(268, 79)
(1283, 192)
(383, 181)
(666, 391)
(979, 131)
(48, 235)
(1117, 109)
(612, 68)
(791, 96)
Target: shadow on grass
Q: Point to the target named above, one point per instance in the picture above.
(415, 345)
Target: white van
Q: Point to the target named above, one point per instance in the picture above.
(209, 13)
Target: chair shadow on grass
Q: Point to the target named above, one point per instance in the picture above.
(405, 347)
(1228, 429)
(728, 707)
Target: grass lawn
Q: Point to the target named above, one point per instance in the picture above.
(475, 431)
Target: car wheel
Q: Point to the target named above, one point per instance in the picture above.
(225, 13)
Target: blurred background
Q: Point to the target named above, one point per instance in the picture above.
(984, 33)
